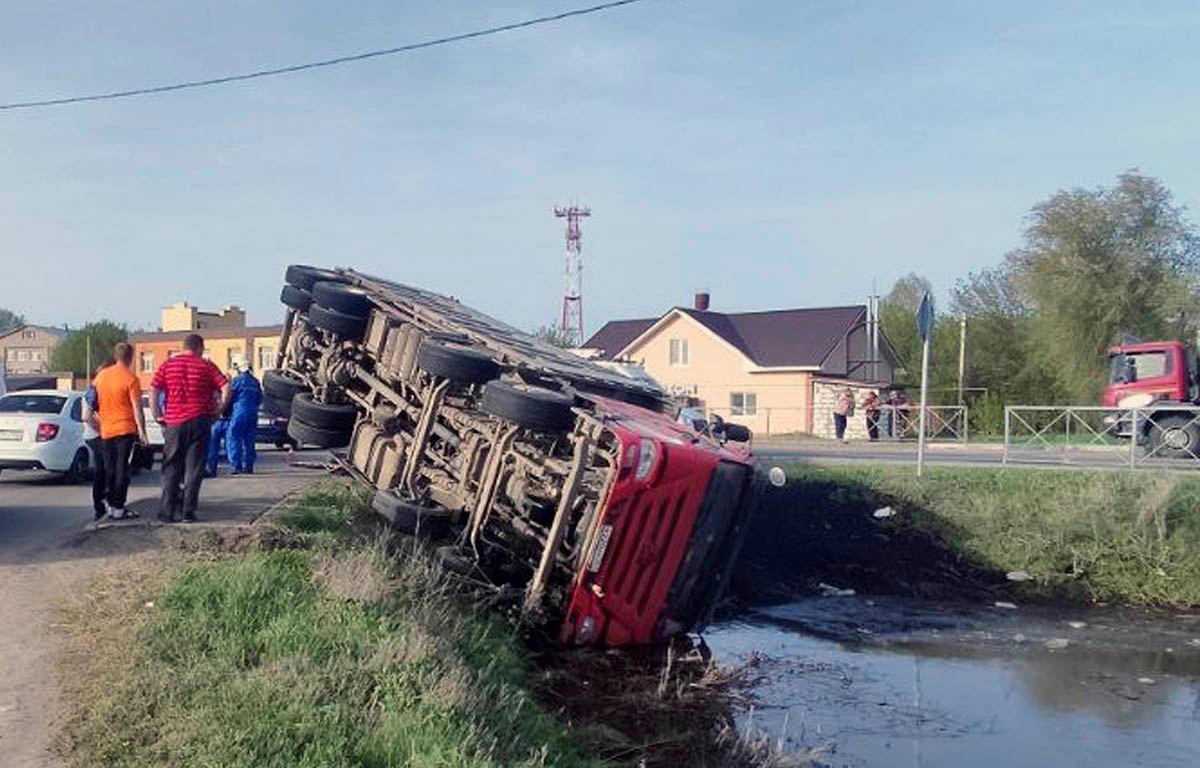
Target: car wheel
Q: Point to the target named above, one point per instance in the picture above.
(459, 364)
(321, 438)
(410, 518)
(338, 323)
(532, 407)
(347, 299)
(296, 298)
(339, 418)
(305, 277)
(78, 471)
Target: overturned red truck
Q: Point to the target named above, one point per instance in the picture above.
(563, 483)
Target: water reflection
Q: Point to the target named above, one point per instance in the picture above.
(894, 682)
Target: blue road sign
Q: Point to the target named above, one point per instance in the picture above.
(925, 317)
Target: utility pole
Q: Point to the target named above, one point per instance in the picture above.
(572, 306)
(962, 354)
(925, 318)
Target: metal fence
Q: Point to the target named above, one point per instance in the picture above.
(1130, 437)
(899, 423)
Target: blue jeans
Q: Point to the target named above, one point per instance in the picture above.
(213, 456)
(240, 441)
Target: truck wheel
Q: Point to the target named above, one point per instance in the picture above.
(411, 518)
(456, 560)
(337, 323)
(277, 406)
(282, 385)
(465, 366)
(339, 418)
(347, 299)
(1174, 437)
(532, 407)
(296, 298)
(305, 434)
(304, 277)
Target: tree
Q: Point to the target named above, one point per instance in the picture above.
(552, 334)
(71, 354)
(1100, 262)
(9, 320)
(898, 319)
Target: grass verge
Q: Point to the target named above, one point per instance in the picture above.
(1118, 537)
(318, 643)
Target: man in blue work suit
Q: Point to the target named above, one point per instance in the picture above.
(243, 421)
(212, 457)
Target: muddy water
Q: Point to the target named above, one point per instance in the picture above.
(895, 682)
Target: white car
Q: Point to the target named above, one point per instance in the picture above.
(154, 430)
(43, 429)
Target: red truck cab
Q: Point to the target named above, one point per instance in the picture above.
(1160, 369)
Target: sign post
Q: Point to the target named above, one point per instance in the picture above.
(925, 328)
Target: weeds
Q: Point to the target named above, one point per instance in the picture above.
(1119, 537)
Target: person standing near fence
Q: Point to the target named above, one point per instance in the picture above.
(843, 410)
(243, 421)
(871, 412)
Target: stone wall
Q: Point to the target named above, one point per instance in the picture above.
(825, 394)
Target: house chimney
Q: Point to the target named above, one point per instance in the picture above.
(701, 301)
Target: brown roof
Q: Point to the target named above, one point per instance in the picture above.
(772, 339)
(618, 334)
(252, 331)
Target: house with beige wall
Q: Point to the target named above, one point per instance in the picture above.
(762, 369)
(27, 349)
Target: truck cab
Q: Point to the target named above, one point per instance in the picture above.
(1160, 369)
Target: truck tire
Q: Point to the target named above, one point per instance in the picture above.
(532, 407)
(296, 298)
(304, 277)
(347, 299)
(282, 385)
(277, 406)
(305, 434)
(459, 364)
(338, 323)
(1174, 436)
(338, 418)
(410, 518)
(456, 560)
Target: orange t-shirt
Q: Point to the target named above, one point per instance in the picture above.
(117, 389)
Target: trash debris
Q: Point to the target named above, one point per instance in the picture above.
(885, 512)
(1146, 680)
(828, 590)
(1005, 604)
(777, 476)
(1057, 643)
(149, 604)
(1018, 576)
(1076, 624)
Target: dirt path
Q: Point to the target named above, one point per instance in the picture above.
(48, 549)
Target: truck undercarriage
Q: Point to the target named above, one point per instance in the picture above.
(513, 451)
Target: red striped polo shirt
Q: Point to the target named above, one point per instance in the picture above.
(192, 385)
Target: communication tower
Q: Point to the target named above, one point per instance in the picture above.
(571, 327)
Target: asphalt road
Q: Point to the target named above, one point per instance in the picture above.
(40, 511)
(951, 455)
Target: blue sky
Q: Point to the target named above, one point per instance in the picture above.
(779, 154)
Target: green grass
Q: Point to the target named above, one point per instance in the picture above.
(1107, 536)
(343, 654)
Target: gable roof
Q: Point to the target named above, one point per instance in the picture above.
(616, 335)
(47, 329)
(780, 338)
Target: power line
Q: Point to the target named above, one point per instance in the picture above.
(319, 64)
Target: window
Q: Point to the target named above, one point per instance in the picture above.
(77, 409)
(23, 355)
(266, 358)
(147, 362)
(28, 335)
(18, 403)
(1135, 366)
(37, 355)
(10, 354)
(679, 351)
(743, 404)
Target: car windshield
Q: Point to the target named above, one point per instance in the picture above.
(32, 404)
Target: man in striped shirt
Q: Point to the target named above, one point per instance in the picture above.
(196, 391)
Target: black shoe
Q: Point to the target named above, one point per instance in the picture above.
(98, 513)
(189, 518)
(164, 518)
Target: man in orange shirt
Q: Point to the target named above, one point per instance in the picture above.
(119, 402)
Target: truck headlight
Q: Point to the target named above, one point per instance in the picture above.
(647, 458)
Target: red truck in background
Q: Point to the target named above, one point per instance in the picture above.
(1157, 382)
